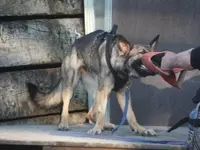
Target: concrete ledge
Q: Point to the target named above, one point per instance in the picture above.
(47, 135)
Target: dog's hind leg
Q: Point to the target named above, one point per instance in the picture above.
(100, 108)
(70, 77)
(131, 116)
(91, 101)
(91, 117)
(91, 87)
(69, 81)
(66, 96)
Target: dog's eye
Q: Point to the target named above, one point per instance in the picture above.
(132, 46)
(142, 51)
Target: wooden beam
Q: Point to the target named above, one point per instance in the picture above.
(21, 147)
(86, 148)
(24, 7)
(15, 100)
(37, 41)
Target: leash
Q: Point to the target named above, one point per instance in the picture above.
(178, 124)
(124, 113)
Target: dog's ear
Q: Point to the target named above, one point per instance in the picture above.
(123, 46)
(154, 42)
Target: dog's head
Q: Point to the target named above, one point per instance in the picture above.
(133, 54)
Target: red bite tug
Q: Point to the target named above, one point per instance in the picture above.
(152, 61)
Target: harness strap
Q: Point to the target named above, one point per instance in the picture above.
(109, 49)
(118, 80)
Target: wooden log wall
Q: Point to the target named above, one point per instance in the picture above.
(35, 36)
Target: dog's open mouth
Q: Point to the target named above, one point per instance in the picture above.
(156, 59)
(141, 69)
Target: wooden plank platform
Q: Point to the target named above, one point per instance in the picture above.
(124, 138)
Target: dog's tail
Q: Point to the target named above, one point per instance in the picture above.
(45, 100)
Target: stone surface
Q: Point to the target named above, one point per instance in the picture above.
(37, 41)
(31, 7)
(15, 101)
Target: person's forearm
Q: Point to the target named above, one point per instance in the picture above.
(171, 63)
(180, 60)
(183, 60)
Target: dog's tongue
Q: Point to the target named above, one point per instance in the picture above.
(152, 61)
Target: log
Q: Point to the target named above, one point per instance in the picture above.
(37, 41)
(32, 7)
(74, 119)
(15, 101)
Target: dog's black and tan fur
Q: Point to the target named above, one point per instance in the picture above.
(91, 68)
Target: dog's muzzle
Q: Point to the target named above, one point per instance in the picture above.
(141, 69)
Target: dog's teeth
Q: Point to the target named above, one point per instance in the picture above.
(142, 66)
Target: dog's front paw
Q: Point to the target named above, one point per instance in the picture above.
(63, 127)
(145, 132)
(95, 131)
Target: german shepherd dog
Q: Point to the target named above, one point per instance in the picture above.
(87, 63)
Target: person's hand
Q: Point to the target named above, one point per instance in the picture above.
(180, 60)
(168, 61)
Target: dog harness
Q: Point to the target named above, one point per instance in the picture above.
(119, 81)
